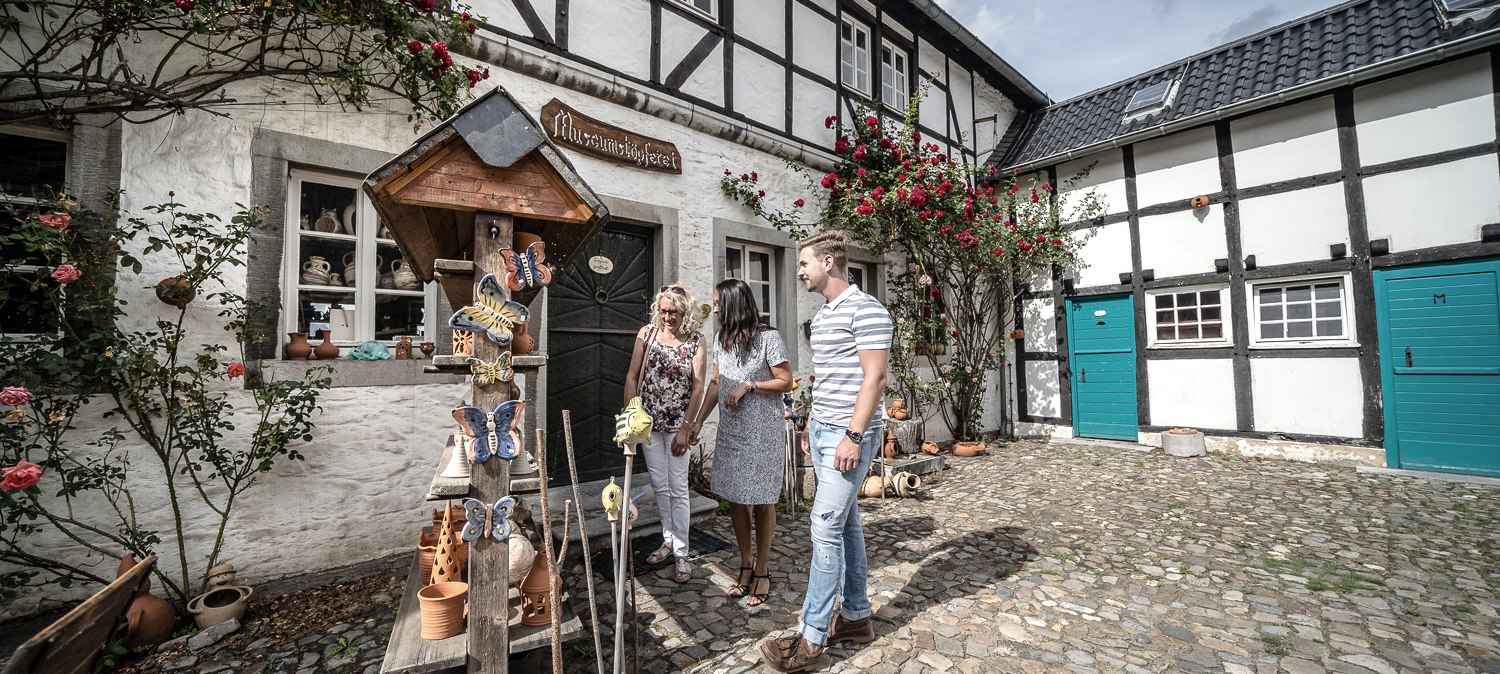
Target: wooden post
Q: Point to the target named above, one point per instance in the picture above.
(489, 560)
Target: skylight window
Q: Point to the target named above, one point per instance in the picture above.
(1454, 11)
(1150, 99)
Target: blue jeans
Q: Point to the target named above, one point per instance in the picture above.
(838, 542)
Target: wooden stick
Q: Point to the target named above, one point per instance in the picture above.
(554, 602)
(583, 535)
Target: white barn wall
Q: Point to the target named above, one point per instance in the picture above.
(756, 95)
(812, 42)
(1176, 168)
(1285, 143)
(1039, 320)
(1435, 205)
(1444, 107)
(1185, 242)
(1106, 179)
(1192, 392)
(1316, 396)
(1294, 226)
(1105, 256)
(1043, 397)
(599, 30)
(763, 23)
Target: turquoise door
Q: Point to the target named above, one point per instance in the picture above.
(1101, 351)
(1440, 366)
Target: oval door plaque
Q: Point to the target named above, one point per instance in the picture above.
(601, 264)
(1100, 312)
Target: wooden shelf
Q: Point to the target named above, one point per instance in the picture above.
(408, 653)
(446, 488)
(460, 364)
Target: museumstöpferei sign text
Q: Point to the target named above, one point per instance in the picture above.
(583, 133)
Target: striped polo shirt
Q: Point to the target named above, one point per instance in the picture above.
(841, 328)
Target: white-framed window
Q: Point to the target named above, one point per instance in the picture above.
(1303, 311)
(756, 266)
(1182, 317)
(344, 275)
(33, 167)
(708, 7)
(854, 55)
(893, 75)
(862, 274)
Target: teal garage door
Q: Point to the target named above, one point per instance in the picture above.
(1440, 366)
(1101, 353)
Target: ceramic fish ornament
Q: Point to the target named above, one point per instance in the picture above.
(493, 434)
(632, 424)
(526, 269)
(490, 372)
(487, 520)
(612, 496)
(490, 313)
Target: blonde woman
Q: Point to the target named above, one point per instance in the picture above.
(666, 371)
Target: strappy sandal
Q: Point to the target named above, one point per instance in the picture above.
(683, 572)
(738, 590)
(661, 554)
(760, 597)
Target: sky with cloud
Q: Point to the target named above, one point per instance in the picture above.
(1070, 47)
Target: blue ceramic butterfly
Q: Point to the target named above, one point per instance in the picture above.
(491, 520)
(526, 269)
(490, 313)
(493, 434)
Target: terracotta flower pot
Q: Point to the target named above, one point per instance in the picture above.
(426, 551)
(1018, 334)
(890, 447)
(442, 607)
(930, 447)
(968, 448)
(873, 486)
(535, 591)
(898, 410)
(220, 605)
(149, 619)
(176, 291)
(906, 484)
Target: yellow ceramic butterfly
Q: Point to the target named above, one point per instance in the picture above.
(490, 313)
(633, 424)
(487, 372)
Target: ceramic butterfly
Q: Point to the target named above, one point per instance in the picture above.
(490, 313)
(490, 372)
(491, 520)
(495, 433)
(633, 424)
(526, 269)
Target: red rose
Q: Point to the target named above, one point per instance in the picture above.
(23, 475)
(877, 193)
(999, 251)
(745, 176)
(184, 5)
(829, 180)
(1046, 187)
(471, 28)
(955, 334)
(1024, 246)
(1013, 189)
(798, 203)
(754, 177)
(727, 173)
(945, 229)
(864, 208)
(859, 152)
(235, 369)
(58, 221)
(1057, 242)
(415, 46)
(829, 120)
(1040, 238)
(871, 121)
(860, 172)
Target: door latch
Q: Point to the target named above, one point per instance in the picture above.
(1083, 375)
(1408, 356)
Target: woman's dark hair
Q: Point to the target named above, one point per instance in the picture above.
(739, 317)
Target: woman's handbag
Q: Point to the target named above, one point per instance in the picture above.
(633, 424)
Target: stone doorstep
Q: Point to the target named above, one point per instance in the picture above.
(1429, 475)
(647, 522)
(1103, 443)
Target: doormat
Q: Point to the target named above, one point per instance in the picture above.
(699, 543)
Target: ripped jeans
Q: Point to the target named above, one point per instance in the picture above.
(838, 542)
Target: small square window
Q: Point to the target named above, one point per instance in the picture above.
(1190, 316)
(1300, 312)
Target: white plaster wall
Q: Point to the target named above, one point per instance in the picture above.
(813, 38)
(811, 103)
(1043, 396)
(1041, 280)
(764, 23)
(933, 111)
(501, 14)
(893, 27)
(1185, 242)
(1317, 396)
(1433, 206)
(678, 37)
(707, 80)
(1439, 108)
(1294, 226)
(961, 83)
(1192, 392)
(612, 32)
(1106, 179)
(1284, 143)
(759, 88)
(1105, 255)
(1039, 317)
(1177, 167)
(989, 102)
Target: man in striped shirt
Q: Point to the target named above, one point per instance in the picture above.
(851, 338)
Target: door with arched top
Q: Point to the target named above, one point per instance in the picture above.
(595, 307)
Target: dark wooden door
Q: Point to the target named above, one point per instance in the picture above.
(592, 320)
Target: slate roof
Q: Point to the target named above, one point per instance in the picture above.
(1336, 41)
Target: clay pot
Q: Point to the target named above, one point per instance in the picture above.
(427, 348)
(442, 606)
(220, 605)
(898, 410)
(873, 486)
(426, 551)
(297, 347)
(968, 448)
(906, 484)
(1018, 334)
(149, 619)
(403, 277)
(520, 240)
(522, 342)
(890, 447)
(930, 447)
(221, 576)
(176, 291)
(403, 348)
(535, 590)
(327, 350)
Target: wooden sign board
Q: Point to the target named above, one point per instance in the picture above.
(570, 128)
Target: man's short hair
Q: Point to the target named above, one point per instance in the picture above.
(833, 242)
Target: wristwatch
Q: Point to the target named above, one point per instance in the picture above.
(854, 436)
(751, 382)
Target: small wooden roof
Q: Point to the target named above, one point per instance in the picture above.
(491, 156)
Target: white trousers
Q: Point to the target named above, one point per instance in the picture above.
(669, 479)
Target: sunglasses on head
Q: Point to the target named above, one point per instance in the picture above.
(672, 288)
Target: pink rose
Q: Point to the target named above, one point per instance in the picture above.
(15, 396)
(66, 273)
(235, 369)
(23, 475)
(56, 220)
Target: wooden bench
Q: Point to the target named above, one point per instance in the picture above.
(74, 642)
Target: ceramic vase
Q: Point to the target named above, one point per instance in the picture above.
(873, 486)
(442, 606)
(427, 348)
(890, 447)
(930, 447)
(403, 348)
(968, 448)
(297, 347)
(522, 341)
(403, 277)
(149, 619)
(176, 291)
(906, 484)
(316, 270)
(219, 605)
(327, 350)
(535, 590)
(898, 410)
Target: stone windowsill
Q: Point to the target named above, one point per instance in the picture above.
(349, 373)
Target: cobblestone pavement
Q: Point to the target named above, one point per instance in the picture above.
(1063, 558)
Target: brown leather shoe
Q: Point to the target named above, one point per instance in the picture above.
(792, 654)
(857, 631)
